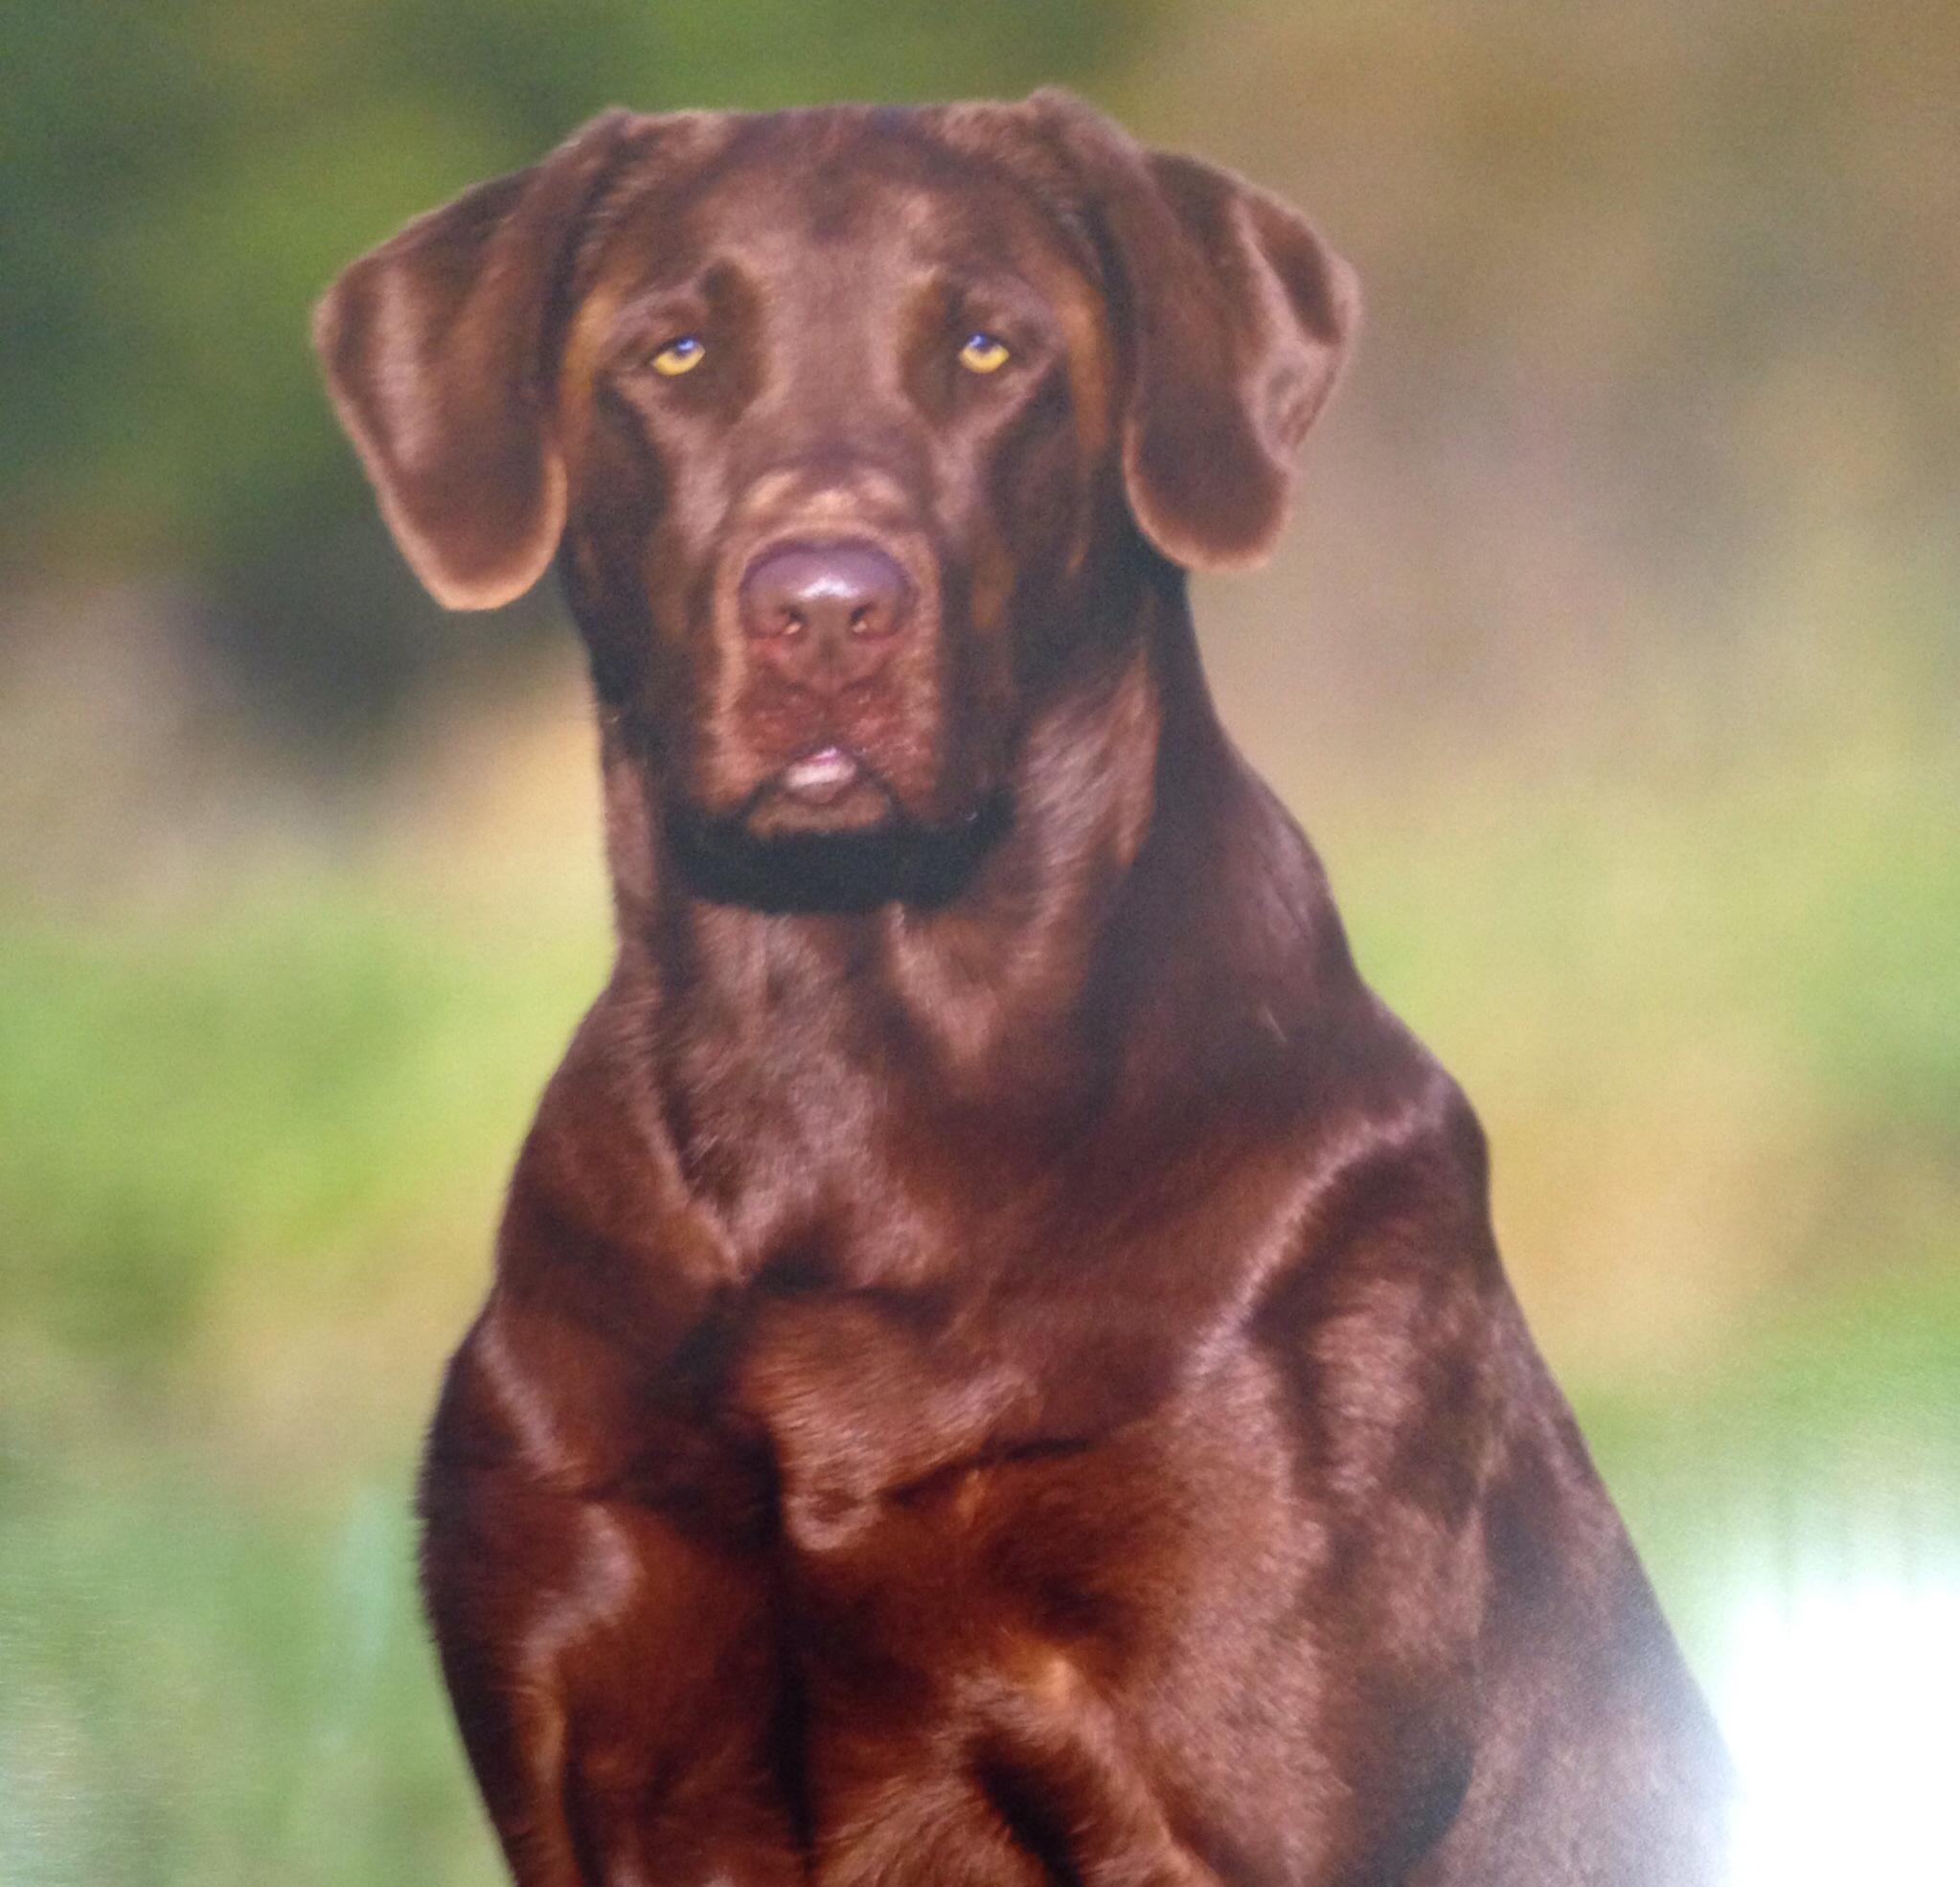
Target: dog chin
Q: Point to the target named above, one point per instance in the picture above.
(857, 852)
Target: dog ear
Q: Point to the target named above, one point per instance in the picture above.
(437, 350)
(1238, 317)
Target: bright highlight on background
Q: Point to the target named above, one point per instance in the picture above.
(1841, 1703)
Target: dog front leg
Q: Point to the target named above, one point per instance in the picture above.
(616, 1686)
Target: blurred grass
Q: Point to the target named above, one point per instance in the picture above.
(260, 1145)
(219, 1684)
(294, 1077)
(253, 1163)
(1716, 1021)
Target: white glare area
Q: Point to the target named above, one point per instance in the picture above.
(1841, 1703)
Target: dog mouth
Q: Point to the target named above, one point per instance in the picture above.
(827, 788)
(821, 777)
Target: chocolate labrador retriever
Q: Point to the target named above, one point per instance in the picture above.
(997, 1371)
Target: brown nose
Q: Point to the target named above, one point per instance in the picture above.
(824, 613)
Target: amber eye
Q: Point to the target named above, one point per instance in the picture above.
(682, 356)
(984, 354)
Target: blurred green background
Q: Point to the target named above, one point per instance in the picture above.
(1613, 663)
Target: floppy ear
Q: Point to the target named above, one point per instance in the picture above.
(436, 349)
(1238, 318)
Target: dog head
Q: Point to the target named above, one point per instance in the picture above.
(837, 422)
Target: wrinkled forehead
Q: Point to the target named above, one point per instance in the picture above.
(881, 196)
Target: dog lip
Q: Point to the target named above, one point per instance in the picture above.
(821, 776)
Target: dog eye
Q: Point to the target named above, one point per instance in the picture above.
(680, 357)
(982, 353)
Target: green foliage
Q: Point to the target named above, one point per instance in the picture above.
(266, 1088)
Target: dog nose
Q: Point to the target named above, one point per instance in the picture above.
(824, 611)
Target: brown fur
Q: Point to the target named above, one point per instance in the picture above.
(997, 1371)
